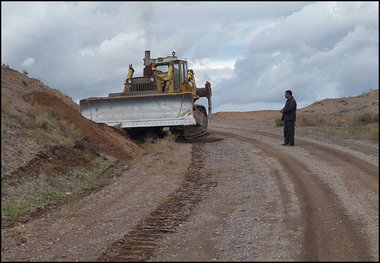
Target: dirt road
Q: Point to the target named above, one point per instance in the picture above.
(233, 195)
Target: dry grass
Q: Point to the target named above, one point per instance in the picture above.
(368, 132)
(265, 117)
(169, 159)
(45, 127)
(357, 125)
(5, 105)
(278, 122)
(157, 144)
(367, 102)
(160, 148)
(13, 108)
(349, 117)
(362, 126)
(18, 200)
(366, 118)
(37, 122)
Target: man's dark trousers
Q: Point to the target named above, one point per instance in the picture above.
(289, 132)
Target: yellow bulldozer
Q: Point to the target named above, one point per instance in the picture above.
(164, 97)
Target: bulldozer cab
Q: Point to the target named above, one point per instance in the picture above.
(161, 75)
(164, 68)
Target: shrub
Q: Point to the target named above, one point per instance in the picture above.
(310, 120)
(367, 118)
(42, 120)
(279, 122)
(46, 127)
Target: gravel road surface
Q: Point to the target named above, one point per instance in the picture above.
(235, 194)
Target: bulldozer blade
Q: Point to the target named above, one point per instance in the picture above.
(153, 110)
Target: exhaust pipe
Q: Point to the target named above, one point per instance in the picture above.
(147, 58)
(147, 69)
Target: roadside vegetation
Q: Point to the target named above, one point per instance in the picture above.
(362, 126)
(349, 117)
(62, 173)
(23, 197)
(39, 123)
(66, 172)
(47, 159)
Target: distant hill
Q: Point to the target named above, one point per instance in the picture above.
(332, 110)
(367, 102)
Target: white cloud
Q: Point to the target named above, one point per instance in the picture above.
(86, 52)
(28, 62)
(117, 45)
(212, 64)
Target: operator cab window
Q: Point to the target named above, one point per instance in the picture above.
(184, 73)
(162, 68)
(176, 76)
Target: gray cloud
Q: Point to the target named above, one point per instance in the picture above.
(316, 49)
(325, 50)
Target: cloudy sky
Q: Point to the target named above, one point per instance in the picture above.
(250, 52)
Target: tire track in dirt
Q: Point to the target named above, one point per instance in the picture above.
(353, 167)
(140, 243)
(285, 198)
(318, 205)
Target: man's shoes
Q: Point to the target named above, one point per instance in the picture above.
(290, 145)
(284, 144)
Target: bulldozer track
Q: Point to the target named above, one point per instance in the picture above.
(318, 204)
(192, 137)
(140, 243)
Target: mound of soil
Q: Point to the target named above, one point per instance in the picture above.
(18, 150)
(15, 84)
(106, 138)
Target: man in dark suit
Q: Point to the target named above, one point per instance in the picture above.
(289, 118)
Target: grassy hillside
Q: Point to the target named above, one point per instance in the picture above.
(365, 103)
(348, 117)
(351, 118)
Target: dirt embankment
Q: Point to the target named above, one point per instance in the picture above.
(45, 138)
(108, 139)
(21, 94)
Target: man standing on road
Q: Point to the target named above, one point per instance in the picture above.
(289, 118)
